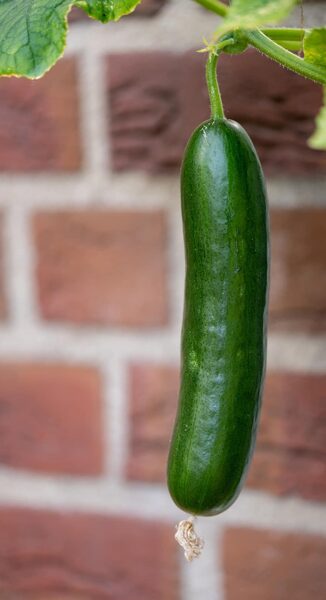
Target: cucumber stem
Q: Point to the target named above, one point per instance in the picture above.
(215, 99)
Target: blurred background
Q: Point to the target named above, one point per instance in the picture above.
(91, 287)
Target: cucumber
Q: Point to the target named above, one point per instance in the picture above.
(224, 325)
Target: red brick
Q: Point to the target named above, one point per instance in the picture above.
(273, 565)
(50, 418)
(102, 267)
(153, 110)
(288, 473)
(153, 393)
(46, 555)
(290, 453)
(158, 98)
(2, 283)
(294, 412)
(39, 121)
(298, 273)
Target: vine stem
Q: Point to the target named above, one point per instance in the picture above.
(215, 6)
(291, 61)
(215, 99)
(291, 34)
(293, 46)
(288, 37)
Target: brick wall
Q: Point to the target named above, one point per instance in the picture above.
(91, 285)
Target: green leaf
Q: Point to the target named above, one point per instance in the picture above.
(314, 45)
(33, 32)
(318, 138)
(32, 35)
(249, 14)
(107, 10)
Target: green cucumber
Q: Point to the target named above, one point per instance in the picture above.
(224, 326)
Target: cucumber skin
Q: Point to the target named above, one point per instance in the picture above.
(223, 350)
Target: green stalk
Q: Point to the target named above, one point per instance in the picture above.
(276, 43)
(293, 46)
(215, 99)
(291, 61)
(285, 33)
(215, 6)
(289, 38)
